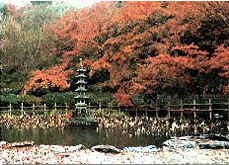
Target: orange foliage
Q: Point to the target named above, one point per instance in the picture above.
(160, 73)
(68, 114)
(220, 63)
(122, 96)
(55, 77)
(145, 44)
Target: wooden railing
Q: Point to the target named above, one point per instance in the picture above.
(188, 105)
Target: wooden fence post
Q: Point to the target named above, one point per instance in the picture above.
(156, 108)
(100, 106)
(66, 106)
(181, 108)
(228, 108)
(169, 106)
(136, 111)
(33, 108)
(194, 107)
(89, 106)
(210, 108)
(10, 109)
(146, 110)
(22, 109)
(109, 108)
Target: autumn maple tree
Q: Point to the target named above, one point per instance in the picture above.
(54, 78)
(145, 48)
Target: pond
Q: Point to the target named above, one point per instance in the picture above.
(74, 136)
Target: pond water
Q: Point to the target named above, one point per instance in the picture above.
(74, 136)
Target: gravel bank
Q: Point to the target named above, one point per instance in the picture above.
(54, 154)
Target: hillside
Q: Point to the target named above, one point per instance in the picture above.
(131, 50)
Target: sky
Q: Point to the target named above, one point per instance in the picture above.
(76, 3)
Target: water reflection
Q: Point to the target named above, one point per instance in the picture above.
(74, 136)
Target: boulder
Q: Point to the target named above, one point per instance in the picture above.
(57, 149)
(75, 148)
(23, 144)
(146, 149)
(180, 143)
(218, 137)
(2, 143)
(106, 149)
(212, 141)
(214, 144)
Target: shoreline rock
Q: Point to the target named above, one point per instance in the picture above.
(202, 142)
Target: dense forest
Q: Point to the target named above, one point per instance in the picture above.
(133, 51)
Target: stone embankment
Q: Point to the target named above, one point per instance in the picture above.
(184, 150)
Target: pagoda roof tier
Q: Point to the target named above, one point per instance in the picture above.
(81, 70)
(80, 89)
(81, 75)
(81, 104)
(81, 97)
(81, 82)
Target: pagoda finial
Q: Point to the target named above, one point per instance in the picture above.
(81, 62)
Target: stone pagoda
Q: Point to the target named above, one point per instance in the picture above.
(81, 97)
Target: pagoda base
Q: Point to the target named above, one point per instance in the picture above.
(80, 110)
(81, 105)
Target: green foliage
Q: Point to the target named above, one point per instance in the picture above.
(15, 99)
(58, 98)
(30, 99)
(26, 46)
(2, 7)
(99, 97)
(42, 14)
(11, 99)
(138, 100)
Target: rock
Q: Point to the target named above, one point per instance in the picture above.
(2, 143)
(146, 149)
(44, 147)
(75, 148)
(57, 149)
(23, 144)
(2, 161)
(106, 149)
(214, 144)
(204, 142)
(218, 137)
(179, 143)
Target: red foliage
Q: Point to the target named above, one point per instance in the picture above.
(160, 73)
(141, 44)
(122, 96)
(55, 77)
(68, 115)
(220, 63)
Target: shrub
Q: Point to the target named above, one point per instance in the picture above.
(11, 99)
(58, 98)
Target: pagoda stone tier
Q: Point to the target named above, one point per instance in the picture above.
(81, 97)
